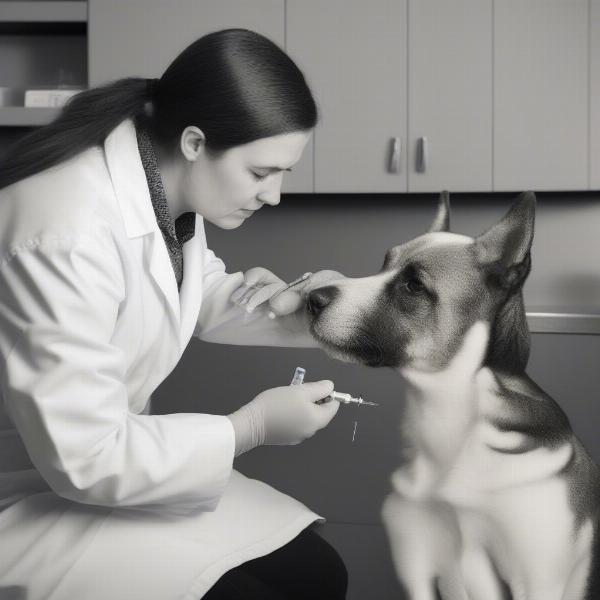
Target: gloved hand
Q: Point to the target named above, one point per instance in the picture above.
(283, 416)
(260, 284)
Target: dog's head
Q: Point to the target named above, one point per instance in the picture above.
(415, 311)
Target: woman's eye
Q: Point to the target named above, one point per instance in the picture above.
(259, 176)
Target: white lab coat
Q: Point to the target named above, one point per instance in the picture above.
(97, 499)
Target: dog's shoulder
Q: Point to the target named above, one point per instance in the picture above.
(517, 404)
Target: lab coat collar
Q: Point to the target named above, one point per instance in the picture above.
(129, 180)
(133, 196)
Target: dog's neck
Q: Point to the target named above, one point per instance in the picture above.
(441, 412)
(508, 349)
(442, 408)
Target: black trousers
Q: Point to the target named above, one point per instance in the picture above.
(307, 568)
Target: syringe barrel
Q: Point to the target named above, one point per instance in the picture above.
(341, 397)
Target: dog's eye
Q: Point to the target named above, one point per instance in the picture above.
(414, 286)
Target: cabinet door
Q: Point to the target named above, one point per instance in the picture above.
(595, 96)
(450, 95)
(541, 95)
(354, 56)
(140, 38)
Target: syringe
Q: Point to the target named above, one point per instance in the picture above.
(298, 377)
(337, 396)
(348, 399)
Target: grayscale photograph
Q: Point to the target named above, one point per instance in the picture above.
(299, 299)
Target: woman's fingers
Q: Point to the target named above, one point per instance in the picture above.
(287, 302)
(261, 295)
(293, 299)
(259, 285)
(259, 276)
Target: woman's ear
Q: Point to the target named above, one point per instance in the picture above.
(192, 142)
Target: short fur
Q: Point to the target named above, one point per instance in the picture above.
(496, 498)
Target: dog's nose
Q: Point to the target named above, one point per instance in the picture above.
(318, 299)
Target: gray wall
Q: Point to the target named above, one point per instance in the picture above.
(345, 481)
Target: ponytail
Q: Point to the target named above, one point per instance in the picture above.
(85, 121)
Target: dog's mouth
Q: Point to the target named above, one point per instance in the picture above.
(357, 337)
(360, 347)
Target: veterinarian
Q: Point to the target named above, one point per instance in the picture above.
(104, 277)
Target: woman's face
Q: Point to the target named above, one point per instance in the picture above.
(229, 188)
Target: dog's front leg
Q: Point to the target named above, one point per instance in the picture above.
(425, 542)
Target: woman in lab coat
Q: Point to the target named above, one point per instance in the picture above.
(104, 277)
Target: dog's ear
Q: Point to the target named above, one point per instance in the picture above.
(504, 249)
(442, 218)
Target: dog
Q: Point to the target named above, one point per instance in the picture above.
(495, 499)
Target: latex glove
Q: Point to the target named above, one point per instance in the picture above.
(283, 416)
(260, 285)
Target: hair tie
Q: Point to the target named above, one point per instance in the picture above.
(151, 85)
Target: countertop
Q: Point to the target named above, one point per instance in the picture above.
(579, 320)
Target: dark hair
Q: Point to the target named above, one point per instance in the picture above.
(235, 85)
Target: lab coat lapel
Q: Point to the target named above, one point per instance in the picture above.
(131, 189)
(190, 295)
(161, 269)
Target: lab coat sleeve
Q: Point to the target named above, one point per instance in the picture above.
(223, 322)
(63, 382)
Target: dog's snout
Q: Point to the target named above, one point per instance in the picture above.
(318, 299)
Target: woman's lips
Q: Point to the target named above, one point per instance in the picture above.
(249, 211)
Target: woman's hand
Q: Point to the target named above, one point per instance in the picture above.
(261, 285)
(283, 416)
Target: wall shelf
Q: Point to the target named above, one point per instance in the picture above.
(18, 116)
(40, 40)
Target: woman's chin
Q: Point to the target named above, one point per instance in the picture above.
(232, 221)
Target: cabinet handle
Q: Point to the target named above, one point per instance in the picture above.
(396, 155)
(422, 155)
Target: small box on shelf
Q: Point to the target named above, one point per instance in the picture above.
(50, 98)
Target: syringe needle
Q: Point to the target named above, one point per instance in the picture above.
(338, 396)
(368, 403)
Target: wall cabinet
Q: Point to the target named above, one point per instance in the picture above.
(415, 74)
(595, 95)
(354, 57)
(414, 95)
(497, 95)
(450, 95)
(141, 37)
(541, 95)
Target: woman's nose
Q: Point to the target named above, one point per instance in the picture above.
(271, 197)
(272, 193)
